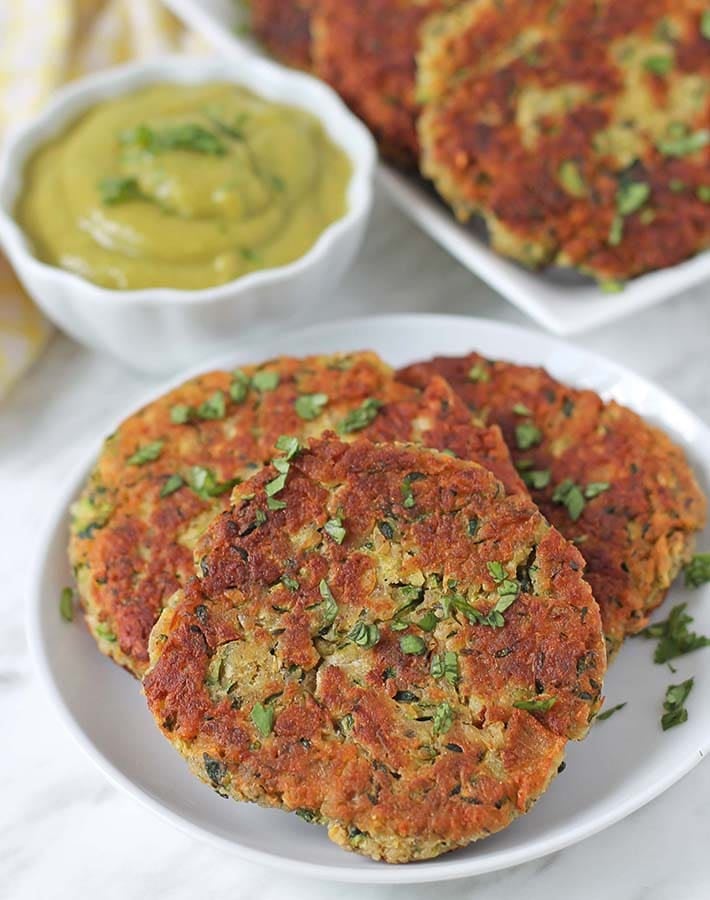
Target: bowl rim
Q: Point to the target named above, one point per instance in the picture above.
(273, 82)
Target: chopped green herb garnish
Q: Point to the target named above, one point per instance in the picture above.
(610, 286)
(310, 406)
(608, 713)
(119, 190)
(205, 483)
(473, 527)
(412, 644)
(191, 137)
(273, 503)
(428, 621)
(265, 380)
(541, 704)
(681, 142)
(105, 633)
(594, 488)
(330, 607)
(674, 711)
(181, 413)
(290, 583)
(174, 483)
(478, 373)
(496, 571)
(276, 484)
(616, 231)
(334, 527)
(703, 193)
(66, 604)
(239, 388)
(263, 718)
(537, 478)
(520, 409)
(674, 638)
(260, 517)
(289, 446)
(568, 494)
(215, 407)
(364, 634)
(527, 435)
(631, 195)
(361, 417)
(145, 454)
(571, 179)
(697, 571)
(658, 65)
(445, 665)
(443, 718)
(406, 489)
(705, 24)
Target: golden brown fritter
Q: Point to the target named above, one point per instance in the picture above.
(616, 486)
(169, 469)
(579, 129)
(408, 679)
(366, 50)
(284, 28)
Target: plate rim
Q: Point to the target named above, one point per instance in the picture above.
(447, 867)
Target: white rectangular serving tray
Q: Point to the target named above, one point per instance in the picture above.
(561, 301)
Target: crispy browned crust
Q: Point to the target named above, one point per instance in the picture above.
(366, 50)
(284, 28)
(636, 535)
(491, 145)
(131, 548)
(355, 744)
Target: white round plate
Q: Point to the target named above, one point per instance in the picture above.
(625, 762)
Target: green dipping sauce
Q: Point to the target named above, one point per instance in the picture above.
(182, 187)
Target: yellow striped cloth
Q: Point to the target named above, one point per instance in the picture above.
(44, 44)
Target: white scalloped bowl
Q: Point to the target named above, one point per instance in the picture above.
(163, 329)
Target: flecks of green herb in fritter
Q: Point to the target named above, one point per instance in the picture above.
(330, 607)
(479, 373)
(361, 417)
(239, 387)
(334, 528)
(364, 634)
(145, 454)
(265, 380)
(538, 704)
(412, 644)
(262, 715)
(174, 483)
(445, 665)
(214, 407)
(527, 435)
(310, 406)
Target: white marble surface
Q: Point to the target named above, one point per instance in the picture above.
(66, 833)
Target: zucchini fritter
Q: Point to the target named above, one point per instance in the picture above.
(366, 51)
(169, 469)
(613, 484)
(578, 129)
(284, 28)
(409, 679)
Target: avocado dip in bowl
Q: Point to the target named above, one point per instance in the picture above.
(160, 211)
